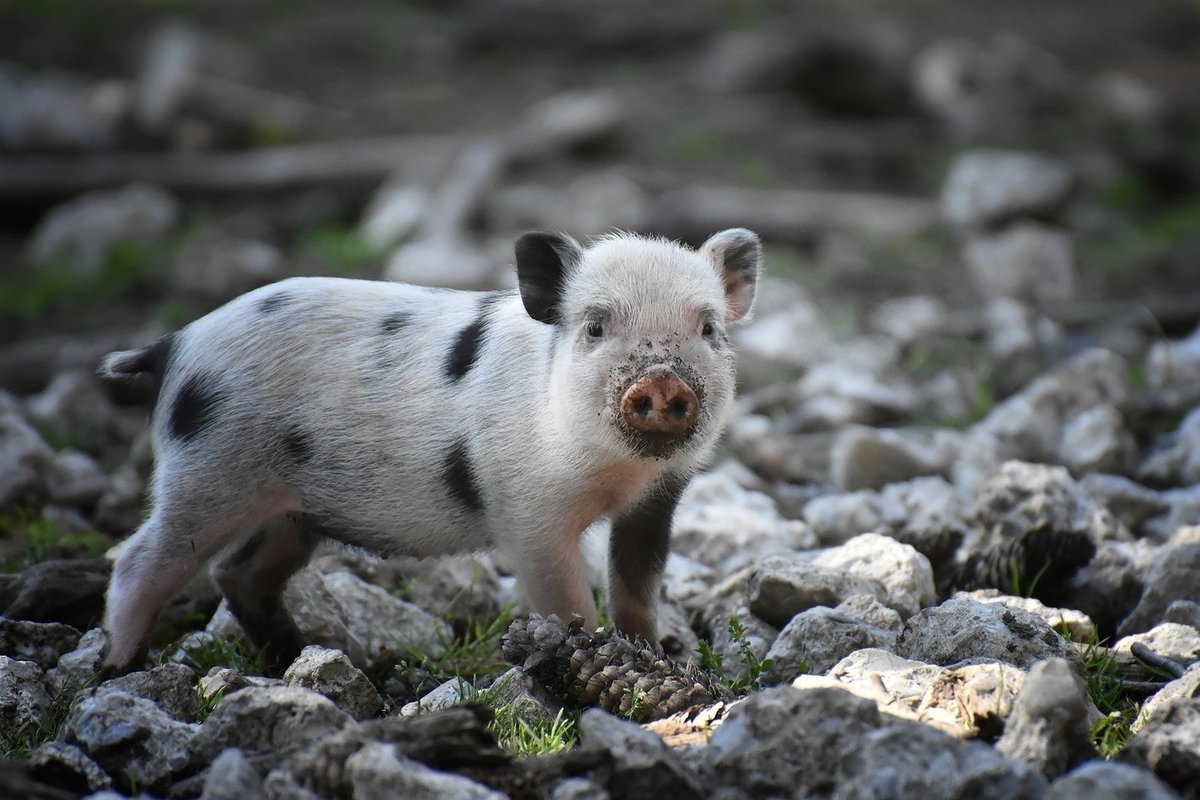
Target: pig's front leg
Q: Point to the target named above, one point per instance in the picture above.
(638, 548)
(550, 569)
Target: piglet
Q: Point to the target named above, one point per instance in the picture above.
(424, 422)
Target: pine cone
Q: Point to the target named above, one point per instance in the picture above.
(630, 678)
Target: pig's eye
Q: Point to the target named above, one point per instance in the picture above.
(708, 330)
(594, 329)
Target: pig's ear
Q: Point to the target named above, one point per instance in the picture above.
(543, 262)
(736, 254)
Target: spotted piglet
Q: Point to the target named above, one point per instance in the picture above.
(423, 422)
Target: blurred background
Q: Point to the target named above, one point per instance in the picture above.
(956, 191)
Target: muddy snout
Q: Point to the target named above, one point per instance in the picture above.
(660, 403)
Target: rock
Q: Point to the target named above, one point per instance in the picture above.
(24, 703)
(331, 673)
(986, 187)
(874, 667)
(1183, 511)
(282, 785)
(214, 266)
(40, 642)
(1177, 642)
(764, 341)
(1016, 335)
(961, 629)
(68, 767)
(981, 86)
(75, 407)
(450, 693)
(1129, 502)
(905, 574)
(1171, 578)
(675, 632)
(837, 518)
(343, 612)
(267, 723)
(1175, 458)
(870, 458)
(1096, 441)
(83, 232)
(1108, 588)
(725, 526)
(1078, 626)
(781, 588)
(782, 741)
(69, 591)
(964, 702)
(684, 579)
(25, 462)
(885, 397)
(1173, 371)
(578, 789)
(912, 760)
(231, 777)
(1049, 728)
(77, 668)
(1158, 706)
(49, 111)
(909, 319)
(1036, 529)
(463, 588)
(1027, 261)
(1185, 612)
(868, 609)
(1029, 425)
(130, 737)
(1169, 744)
(75, 479)
(221, 681)
(378, 772)
(641, 764)
(172, 687)
(817, 638)
(119, 509)
(1110, 779)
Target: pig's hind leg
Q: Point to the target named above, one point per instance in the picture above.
(252, 576)
(189, 525)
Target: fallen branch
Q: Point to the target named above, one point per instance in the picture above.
(789, 214)
(264, 169)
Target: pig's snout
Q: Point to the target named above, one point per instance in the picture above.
(660, 403)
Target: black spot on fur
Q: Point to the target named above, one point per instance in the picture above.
(195, 407)
(245, 552)
(640, 538)
(465, 349)
(460, 478)
(274, 302)
(298, 445)
(394, 323)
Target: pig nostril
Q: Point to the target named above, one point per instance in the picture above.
(678, 408)
(642, 406)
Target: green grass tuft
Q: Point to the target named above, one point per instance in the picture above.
(474, 654)
(342, 249)
(755, 667)
(225, 651)
(42, 540)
